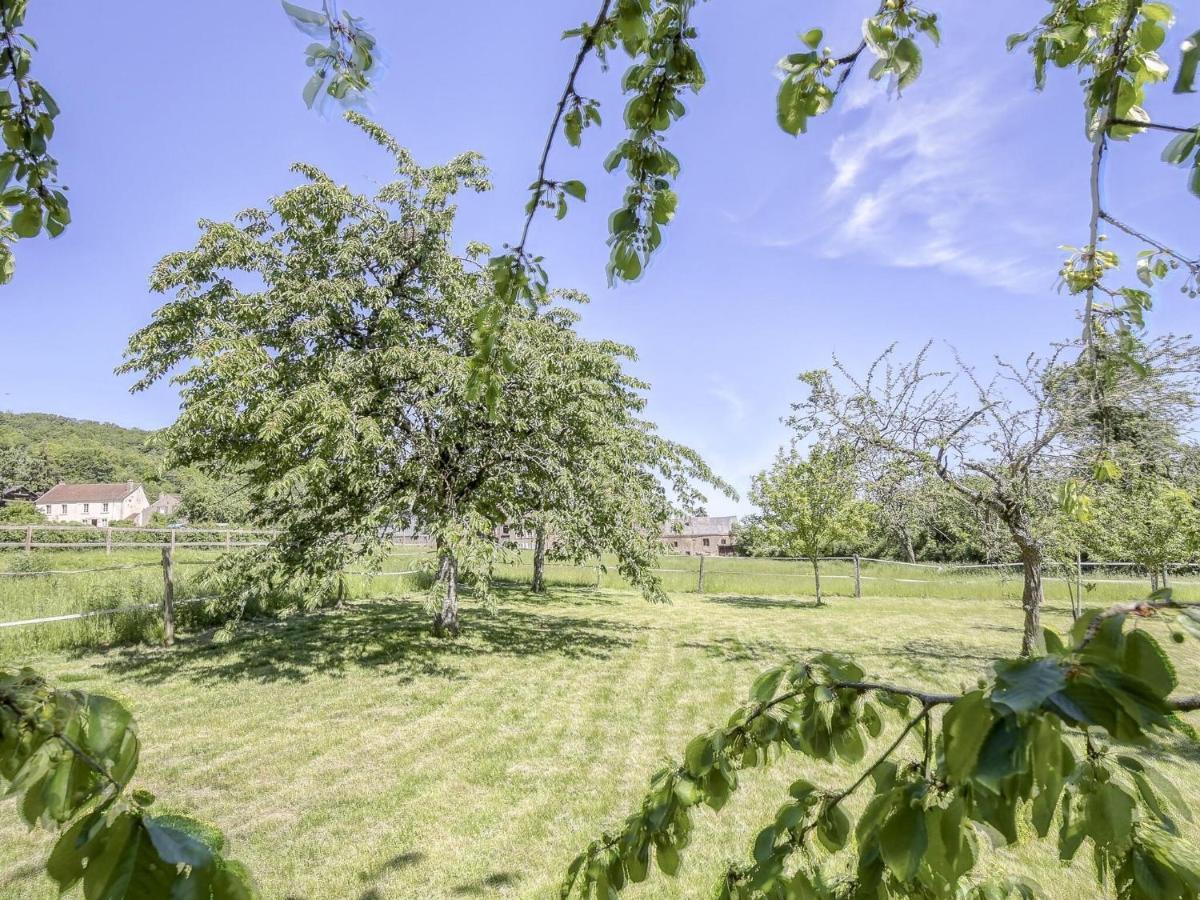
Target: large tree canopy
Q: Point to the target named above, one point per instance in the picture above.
(323, 348)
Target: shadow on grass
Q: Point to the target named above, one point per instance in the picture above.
(488, 885)
(397, 862)
(737, 650)
(23, 872)
(389, 635)
(746, 602)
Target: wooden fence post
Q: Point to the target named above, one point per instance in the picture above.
(228, 539)
(700, 580)
(857, 577)
(28, 538)
(168, 564)
(108, 541)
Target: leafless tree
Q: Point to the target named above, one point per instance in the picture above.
(998, 442)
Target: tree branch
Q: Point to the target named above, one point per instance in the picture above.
(1099, 145)
(585, 47)
(1192, 264)
(1177, 129)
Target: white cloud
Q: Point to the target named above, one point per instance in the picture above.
(934, 179)
(928, 182)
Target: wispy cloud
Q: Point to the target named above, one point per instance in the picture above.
(931, 180)
(731, 399)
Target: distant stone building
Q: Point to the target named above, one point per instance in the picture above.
(701, 536)
(166, 504)
(93, 504)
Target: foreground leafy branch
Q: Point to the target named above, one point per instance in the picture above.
(1027, 743)
(343, 59)
(28, 173)
(70, 756)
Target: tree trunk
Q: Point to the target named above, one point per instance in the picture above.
(1031, 599)
(538, 585)
(445, 622)
(817, 579)
(1153, 581)
(908, 545)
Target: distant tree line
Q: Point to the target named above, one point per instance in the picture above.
(38, 450)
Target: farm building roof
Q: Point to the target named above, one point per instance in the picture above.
(701, 525)
(88, 493)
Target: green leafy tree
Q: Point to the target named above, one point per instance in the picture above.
(808, 506)
(1068, 738)
(614, 482)
(338, 390)
(1149, 521)
(20, 512)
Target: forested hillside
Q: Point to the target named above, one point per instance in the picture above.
(38, 450)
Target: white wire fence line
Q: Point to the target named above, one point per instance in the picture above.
(699, 567)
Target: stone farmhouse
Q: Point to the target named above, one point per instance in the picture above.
(701, 536)
(94, 504)
(166, 504)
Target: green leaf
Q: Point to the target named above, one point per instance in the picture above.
(576, 189)
(28, 222)
(902, 841)
(813, 37)
(1159, 12)
(908, 55)
(802, 789)
(764, 844)
(792, 107)
(833, 828)
(1150, 35)
(1023, 685)
(766, 684)
(1146, 661)
(1109, 815)
(232, 882)
(307, 16)
(668, 858)
(1189, 62)
(312, 87)
(964, 728)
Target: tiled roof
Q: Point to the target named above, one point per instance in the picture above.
(701, 525)
(88, 493)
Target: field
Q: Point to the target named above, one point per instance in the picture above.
(349, 755)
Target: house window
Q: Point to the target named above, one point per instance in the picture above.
(722, 542)
(85, 509)
(104, 508)
(64, 509)
(706, 542)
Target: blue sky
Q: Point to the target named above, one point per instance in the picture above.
(933, 216)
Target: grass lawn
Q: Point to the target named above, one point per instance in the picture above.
(347, 754)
